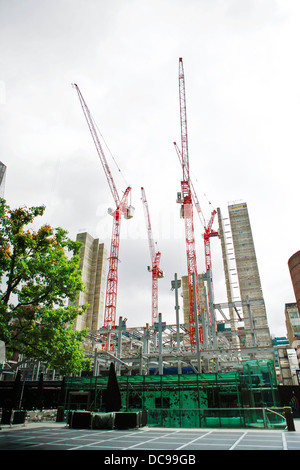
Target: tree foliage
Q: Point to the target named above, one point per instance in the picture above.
(39, 272)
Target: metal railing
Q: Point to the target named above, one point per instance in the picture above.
(263, 418)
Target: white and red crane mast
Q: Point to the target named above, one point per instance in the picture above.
(122, 208)
(208, 231)
(155, 256)
(187, 210)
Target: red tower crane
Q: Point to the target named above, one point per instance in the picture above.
(187, 210)
(208, 232)
(122, 208)
(155, 256)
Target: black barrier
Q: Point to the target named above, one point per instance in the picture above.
(13, 417)
(118, 420)
(127, 420)
(289, 418)
(80, 419)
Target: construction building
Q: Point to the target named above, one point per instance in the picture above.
(245, 296)
(201, 342)
(231, 332)
(238, 326)
(220, 357)
(93, 267)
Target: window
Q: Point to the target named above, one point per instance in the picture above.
(293, 314)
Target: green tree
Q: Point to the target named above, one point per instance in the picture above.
(39, 272)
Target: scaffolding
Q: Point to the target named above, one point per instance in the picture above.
(160, 348)
(244, 269)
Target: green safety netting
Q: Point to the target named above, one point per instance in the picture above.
(231, 399)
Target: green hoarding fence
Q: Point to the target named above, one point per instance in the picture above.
(218, 418)
(230, 399)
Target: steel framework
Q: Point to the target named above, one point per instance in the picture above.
(163, 346)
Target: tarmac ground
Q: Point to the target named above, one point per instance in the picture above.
(145, 441)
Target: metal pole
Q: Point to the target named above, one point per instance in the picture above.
(206, 321)
(108, 339)
(119, 349)
(212, 308)
(160, 359)
(159, 328)
(95, 370)
(146, 338)
(175, 285)
(196, 324)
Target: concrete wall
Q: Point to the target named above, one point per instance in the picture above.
(248, 273)
(93, 266)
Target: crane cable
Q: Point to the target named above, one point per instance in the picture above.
(110, 153)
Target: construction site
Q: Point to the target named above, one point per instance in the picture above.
(220, 357)
(215, 337)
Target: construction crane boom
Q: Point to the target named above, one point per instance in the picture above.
(155, 256)
(187, 210)
(208, 232)
(98, 145)
(122, 208)
(194, 195)
(183, 125)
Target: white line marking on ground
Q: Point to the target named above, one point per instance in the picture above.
(239, 440)
(284, 441)
(190, 442)
(150, 440)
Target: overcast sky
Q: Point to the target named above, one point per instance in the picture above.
(242, 72)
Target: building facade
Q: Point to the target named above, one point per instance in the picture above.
(294, 268)
(242, 276)
(292, 322)
(93, 258)
(288, 365)
(254, 314)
